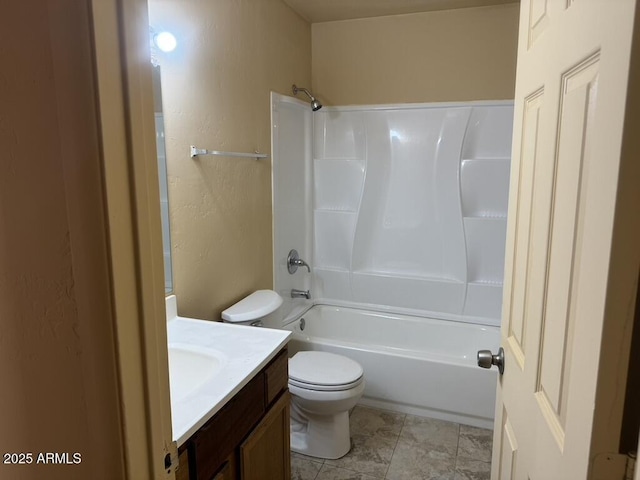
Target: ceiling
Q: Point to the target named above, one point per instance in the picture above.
(329, 10)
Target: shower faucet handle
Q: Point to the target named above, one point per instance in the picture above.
(294, 261)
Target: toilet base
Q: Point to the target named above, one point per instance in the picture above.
(322, 436)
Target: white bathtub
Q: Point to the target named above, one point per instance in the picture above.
(415, 365)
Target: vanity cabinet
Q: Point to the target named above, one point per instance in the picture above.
(265, 453)
(249, 437)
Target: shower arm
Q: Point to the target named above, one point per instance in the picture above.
(301, 89)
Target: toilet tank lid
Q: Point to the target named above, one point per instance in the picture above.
(253, 307)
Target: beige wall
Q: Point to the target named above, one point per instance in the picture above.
(453, 55)
(57, 348)
(216, 86)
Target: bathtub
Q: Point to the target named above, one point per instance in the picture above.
(415, 365)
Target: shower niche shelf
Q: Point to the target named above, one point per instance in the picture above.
(338, 211)
(489, 217)
(486, 283)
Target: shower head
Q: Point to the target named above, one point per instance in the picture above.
(315, 104)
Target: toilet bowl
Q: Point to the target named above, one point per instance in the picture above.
(324, 386)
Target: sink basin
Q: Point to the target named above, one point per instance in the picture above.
(209, 362)
(191, 367)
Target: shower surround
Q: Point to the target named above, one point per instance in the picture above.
(407, 205)
(400, 209)
(410, 207)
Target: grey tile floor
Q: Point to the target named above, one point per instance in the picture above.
(394, 446)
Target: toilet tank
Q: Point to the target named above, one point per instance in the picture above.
(260, 308)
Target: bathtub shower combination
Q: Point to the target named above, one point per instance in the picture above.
(401, 212)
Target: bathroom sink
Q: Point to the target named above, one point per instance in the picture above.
(190, 368)
(209, 362)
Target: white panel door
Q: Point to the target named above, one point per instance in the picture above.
(571, 93)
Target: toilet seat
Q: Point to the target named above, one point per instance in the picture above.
(325, 388)
(324, 371)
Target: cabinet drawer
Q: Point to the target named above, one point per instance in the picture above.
(276, 376)
(218, 438)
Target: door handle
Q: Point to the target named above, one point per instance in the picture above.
(486, 359)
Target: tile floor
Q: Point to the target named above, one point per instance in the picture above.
(394, 446)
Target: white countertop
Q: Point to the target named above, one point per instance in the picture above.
(244, 351)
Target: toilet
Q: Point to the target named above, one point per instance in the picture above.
(324, 386)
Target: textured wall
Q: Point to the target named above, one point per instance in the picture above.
(230, 55)
(57, 353)
(454, 55)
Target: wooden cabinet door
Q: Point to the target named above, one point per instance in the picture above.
(228, 470)
(265, 454)
(182, 472)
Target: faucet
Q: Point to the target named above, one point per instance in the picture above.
(295, 293)
(294, 261)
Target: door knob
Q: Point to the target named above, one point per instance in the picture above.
(486, 359)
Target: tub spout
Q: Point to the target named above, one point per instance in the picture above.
(295, 293)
